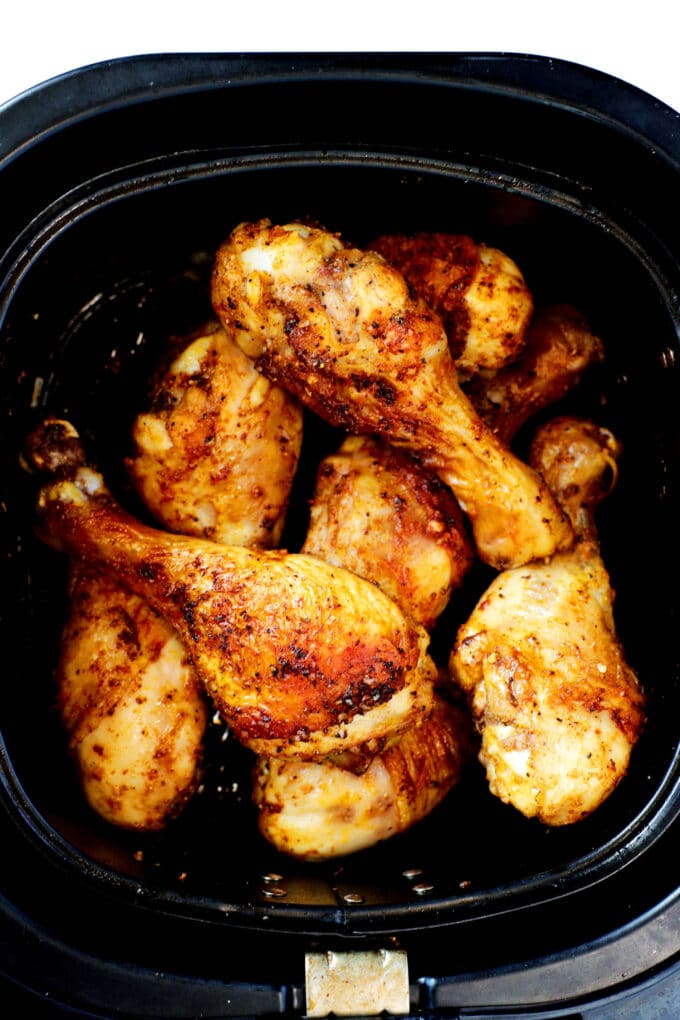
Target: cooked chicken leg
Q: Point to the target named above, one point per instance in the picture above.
(300, 657)
(217, 452)
(131, 703)
(559, 347)
(129, 698)
(379, 513)
(376, 512)
(479, 292)
(319, 810)
(339, 329)
(511, 363)
(558, 708)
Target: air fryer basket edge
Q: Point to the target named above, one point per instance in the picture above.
(665, 270)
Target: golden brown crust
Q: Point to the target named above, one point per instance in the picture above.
(131, 703)
(341, 330)
(559, 347)
(428, 761)
(297, 654)
(377, 512)
(439, 267)
(319, 810)
(478, 292)
(217, 451)
(558, 707)
(579, 461)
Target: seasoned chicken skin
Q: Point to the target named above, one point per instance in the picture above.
(318, 810)
(131, 703)
(479, 292)
(128, 695)
(558, 708)
(559, 347)
(513, 360)
(216, 457)
(301, 658)
(376, 512)
(216, 454)
(339, 329)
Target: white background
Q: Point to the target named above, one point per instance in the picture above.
(638, 42)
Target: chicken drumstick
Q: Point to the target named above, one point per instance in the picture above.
(376, 512)
(559, 347)
(381, 515)
(339, 329)
(512, 360)
(479, 292)
(131, 702)
(216, 453)
(316, 810)
(215, 456)
(300, 657)
(558, 708)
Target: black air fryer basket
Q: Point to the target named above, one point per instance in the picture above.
(117, 183)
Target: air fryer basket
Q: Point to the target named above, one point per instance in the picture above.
(119, 207)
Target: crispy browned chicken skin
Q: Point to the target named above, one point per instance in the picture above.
(131, 703)
(215, 456)
(300, 657)
(216, 453)
(376, 512)
(479, 292)
(317, 810)
(512, 359)
(381, 515)
(128, 695)
(339, 329)
(559, 347)
(558, 708)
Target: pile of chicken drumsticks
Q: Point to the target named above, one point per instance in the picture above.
(428, 352)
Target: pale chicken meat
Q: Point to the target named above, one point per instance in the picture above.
(558, 707)
(131, 703)
(340, 329)
(479, 292)
(319, 810)
(559, 347)
(301, 658)
(376, 512)
(216, 453)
